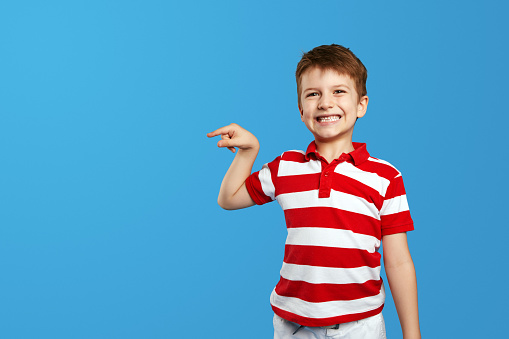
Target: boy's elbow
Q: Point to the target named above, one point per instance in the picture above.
(234, 203)
(228, 208)
(224, 204)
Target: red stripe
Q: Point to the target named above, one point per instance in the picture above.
(333, 218)
(398, 229)
(317, 293)
(298, 183)
(330, 256)
(314, 322)
(396, 219)
(385, 171)
(340, 183)
(395, 189)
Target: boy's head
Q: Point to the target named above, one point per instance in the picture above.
(337, 58)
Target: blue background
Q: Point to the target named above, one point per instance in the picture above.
(109, 226)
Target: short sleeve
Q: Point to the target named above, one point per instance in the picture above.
(395, 214)
(261, 185)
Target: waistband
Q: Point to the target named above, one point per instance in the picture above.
(335, 327)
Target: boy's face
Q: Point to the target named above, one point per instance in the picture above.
(330, 104)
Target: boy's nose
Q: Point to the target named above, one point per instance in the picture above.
(325, 102)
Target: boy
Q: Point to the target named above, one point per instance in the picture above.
(339, 204)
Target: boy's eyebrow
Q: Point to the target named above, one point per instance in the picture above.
(341, 85)
(333, 86)
(310, 89)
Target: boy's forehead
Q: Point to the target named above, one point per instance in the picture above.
(318, 73)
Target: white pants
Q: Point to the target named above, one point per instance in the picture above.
(369, 328)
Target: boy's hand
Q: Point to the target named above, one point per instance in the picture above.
(233, 193)
(235, 136)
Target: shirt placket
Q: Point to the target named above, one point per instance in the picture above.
(326, 176)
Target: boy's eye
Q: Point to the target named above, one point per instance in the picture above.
(338, 91)
(312, 94)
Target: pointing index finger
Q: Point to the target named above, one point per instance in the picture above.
(219, 131)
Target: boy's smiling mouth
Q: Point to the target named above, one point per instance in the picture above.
(328, 118)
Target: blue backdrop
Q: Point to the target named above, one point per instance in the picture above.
(109, 226)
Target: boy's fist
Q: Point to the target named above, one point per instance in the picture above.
(235, 136)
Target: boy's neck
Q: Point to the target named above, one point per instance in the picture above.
(332, 150)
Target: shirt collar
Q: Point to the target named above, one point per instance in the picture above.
(358, 155)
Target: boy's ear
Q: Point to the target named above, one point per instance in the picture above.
(362, 106)
(301, 112)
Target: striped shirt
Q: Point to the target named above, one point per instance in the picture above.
(336, 215)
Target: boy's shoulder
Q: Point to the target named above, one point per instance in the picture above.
(382, 168)
(298, 155)
(383, 164)
(293, 154)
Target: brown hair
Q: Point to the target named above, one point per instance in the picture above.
(337, 58)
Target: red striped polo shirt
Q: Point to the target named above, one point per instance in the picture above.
(335, 215)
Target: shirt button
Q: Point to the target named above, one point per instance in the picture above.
(326, 174)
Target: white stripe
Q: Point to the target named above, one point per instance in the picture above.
(287, 168)
(327, 309)
(266, 181)
(394, 205)
(331, 237)
(339, 200)
(372, 180)
(329, 275)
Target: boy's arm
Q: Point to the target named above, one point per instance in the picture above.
(233, 193)
(400, 271)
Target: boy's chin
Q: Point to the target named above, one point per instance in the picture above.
(332, 138)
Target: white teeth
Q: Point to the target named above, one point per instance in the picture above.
(329, 118)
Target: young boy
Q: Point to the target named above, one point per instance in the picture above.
(339, 204)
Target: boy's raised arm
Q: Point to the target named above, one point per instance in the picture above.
(233, 193)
